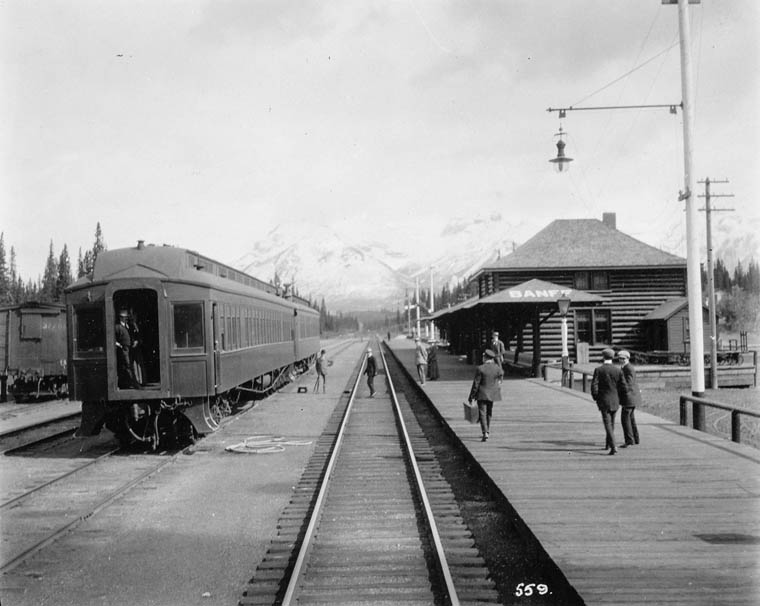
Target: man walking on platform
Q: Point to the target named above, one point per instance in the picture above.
(371, 371)
(499, 349)
(421, 360)
(607, 386)
(486, 389)
(630, 399)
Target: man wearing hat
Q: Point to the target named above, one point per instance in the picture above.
(371, 371)
(420, 359)
(125, 375)
(486, 389)
(607, 387)
(498, 348)
(630, 398)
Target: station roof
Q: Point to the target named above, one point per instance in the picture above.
(532, 292)
(584, 244)
(539, 291)
(668, 309)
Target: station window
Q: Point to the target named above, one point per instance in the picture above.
(90, 329)
(188, 326)
(591, 280)
(593, 326)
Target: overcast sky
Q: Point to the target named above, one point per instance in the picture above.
(205, 124)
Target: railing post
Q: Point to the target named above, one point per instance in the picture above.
(570, 376)
(682, 411)
(736, 427)
(698, 415)
(585, 380)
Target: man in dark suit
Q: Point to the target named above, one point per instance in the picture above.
(607, 385)
(371, 371)
(630, 399)
(498, 348)
(486, 389)
(125, 375)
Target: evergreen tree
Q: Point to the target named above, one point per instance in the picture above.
(81, 273)
(48, 290)
(99, 245)
(5, 281)
(64, 277)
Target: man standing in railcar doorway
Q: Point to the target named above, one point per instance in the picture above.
(486, 389)
(126, 377)
(371, 371)
(607, 385)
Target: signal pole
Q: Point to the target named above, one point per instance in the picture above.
(711, 277)
(693, 277)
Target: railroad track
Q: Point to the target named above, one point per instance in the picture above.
(372, 520)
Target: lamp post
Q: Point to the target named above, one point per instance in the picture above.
(564, 305)
(693, 277)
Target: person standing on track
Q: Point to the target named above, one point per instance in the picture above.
(486, 389)
(371, 371)
(321, 368)
(421, 360)
(630, 399)
(607, 386)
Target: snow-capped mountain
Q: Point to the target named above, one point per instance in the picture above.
(353, 274)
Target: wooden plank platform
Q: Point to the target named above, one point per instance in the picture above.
(675, 520)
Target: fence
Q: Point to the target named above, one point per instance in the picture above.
(698, 414)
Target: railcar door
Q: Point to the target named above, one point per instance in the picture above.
(141, 367)
(215, 342)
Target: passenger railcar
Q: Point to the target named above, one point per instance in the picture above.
(202, 334)
(32, 351)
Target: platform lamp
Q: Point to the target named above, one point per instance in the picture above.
(561, 162)
(564, 305)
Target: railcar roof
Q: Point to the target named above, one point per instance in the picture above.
(172, 263)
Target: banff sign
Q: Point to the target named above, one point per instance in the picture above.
(549, 294)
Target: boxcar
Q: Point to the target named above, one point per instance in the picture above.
(202, 334)
(33, 350)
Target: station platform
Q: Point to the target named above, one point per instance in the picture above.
(15, 416)
(674, 520)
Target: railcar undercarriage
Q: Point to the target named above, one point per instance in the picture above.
(165, 423)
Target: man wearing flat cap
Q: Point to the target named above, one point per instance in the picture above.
(630, 399)
(486, 389)
(607, 387)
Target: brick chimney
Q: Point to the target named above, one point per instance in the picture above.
(610, 220)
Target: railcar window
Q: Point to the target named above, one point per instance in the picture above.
(89, 329)
(188, 326)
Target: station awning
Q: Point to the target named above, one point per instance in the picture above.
(536, 292)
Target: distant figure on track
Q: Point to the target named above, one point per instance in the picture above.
(321, 367)
(421, 360)
(486, 389)
(607, 385)
(631, 398)
(432, 370)
(371, 371)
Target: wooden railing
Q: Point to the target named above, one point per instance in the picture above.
(698, 414)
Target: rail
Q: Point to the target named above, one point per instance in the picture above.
(306, 548)
(698, 414)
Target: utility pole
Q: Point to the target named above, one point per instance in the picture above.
(693, 277)
(711, 277)
(432, 306)
(417, 304)
(408, 312)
